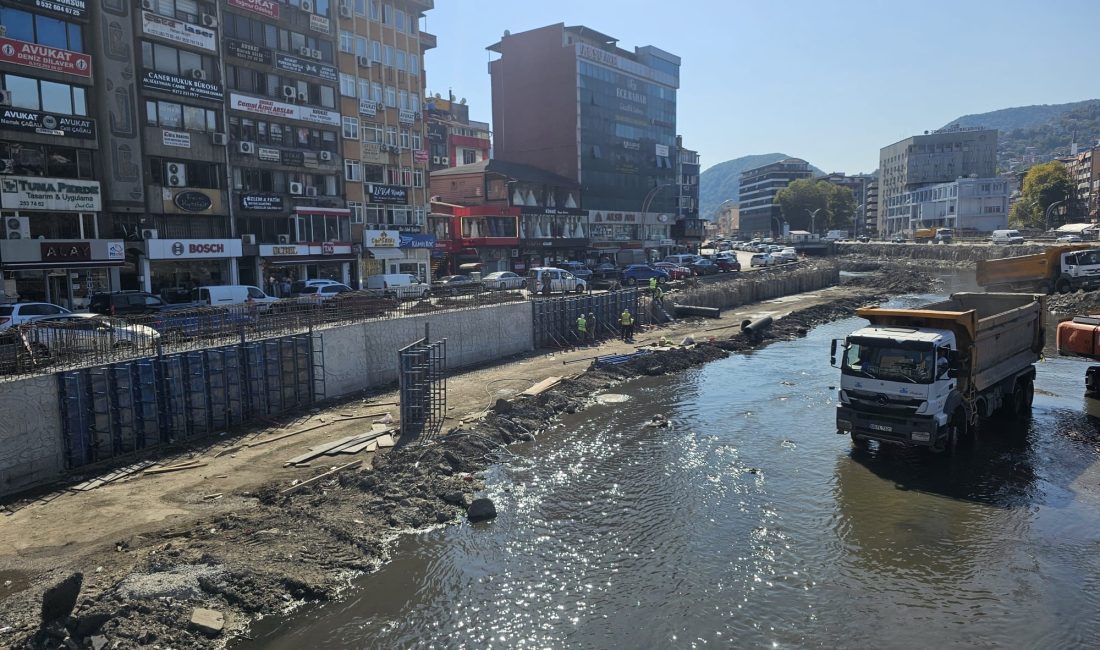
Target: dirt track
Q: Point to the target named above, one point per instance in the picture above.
(154, 547)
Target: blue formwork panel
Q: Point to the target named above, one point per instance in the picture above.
(173, 411)
(273, 376)
(198, 395)
(75, 419)
(122, 407)
(288, 361)
(103, 441)
(303, 352)
(254, 371)
(218, 393)
(234, 383)
(146, 416)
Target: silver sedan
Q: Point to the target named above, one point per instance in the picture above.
(503, 280)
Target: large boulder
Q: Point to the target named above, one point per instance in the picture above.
(481, 510)
(59, 600)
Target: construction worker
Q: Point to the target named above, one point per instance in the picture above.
(658, 295)
(653, 283)
(626, 321)
(582, 328)
(592, 327)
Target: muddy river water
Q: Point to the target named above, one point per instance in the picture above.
(750, 523)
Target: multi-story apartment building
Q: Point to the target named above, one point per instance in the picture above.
(385, 149)
(1084, 174)
(931, 159)
(570, 101)
(858, 184)
(870, 210)
(453, 138)
(975, 204)
(758, 212)
(59, 243)
(687, 231)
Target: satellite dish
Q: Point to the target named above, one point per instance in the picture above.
(438, 96)
(507, 33)
(462, 101)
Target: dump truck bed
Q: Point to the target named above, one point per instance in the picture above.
(1023, 268)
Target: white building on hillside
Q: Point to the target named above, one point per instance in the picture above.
(979, 204)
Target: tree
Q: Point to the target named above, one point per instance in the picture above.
(1043, 185)
(836, 205)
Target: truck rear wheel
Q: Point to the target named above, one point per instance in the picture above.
(858, 441)
(1022, 398)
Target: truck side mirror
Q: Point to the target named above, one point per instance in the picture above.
(832, 353)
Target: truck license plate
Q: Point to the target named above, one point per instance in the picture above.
(881, 427)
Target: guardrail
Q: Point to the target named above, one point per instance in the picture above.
(80, 340)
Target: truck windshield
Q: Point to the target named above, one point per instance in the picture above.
(889, 360)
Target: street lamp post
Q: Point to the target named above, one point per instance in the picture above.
(778, 226)
(718, 211)
(1046, 215)
(856, 219)
(649, 198)
(813, 230)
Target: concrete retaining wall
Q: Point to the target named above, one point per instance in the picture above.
(362, 356)
(30, 433)
(938, 252)
(762, 285)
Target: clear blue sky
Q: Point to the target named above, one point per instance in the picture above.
(831, 82)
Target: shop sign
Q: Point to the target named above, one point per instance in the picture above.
(181, 139)
(410, 229)
(554, 212)
(262, 202)
(632, 145)
(318, 115)
(310, 68)
(662, 150)
(614, 217)
(387, 194)
(283, 250)
(70, 8)
(184, 249)
(66, 126)
(116, 250)
(262, 106)
(381, 238)
(417, 241)
(268, 8)
(247, 51)
(66, 251)
(267, 154)
(293, 158)
(328, 248)
(54, 194)
(368, 107)
(178, 31)
(667, 242)
(44, 57)
(191, 201)
(319, 24)
(598, 55)
(420, 156)
(182, 86)
(406, 117)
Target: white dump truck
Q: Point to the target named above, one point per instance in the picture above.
(927, 376)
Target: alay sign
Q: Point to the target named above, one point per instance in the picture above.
(55, 194)
(44, 57)
(66, 251)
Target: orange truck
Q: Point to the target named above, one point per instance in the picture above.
(1080, 337)
(1058, 268)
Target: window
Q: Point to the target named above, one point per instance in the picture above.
(376, 51)
(417, 140)
(371, 132)
(387, 55)
(391, 136)
(364, 89)
(402, 59)
(374, 174)
(418, 178)
(405, 140)
(414, 65)
(393, 175)
(351, 128)
(375, 10)
(376, 92)
(469, 156)
(48, 160)
(414, 102)
(391, 97)
(346, 42)
(186, 10)
(47, 96)
(347, 85)
(43, 30)
(169, 60)
(399, 20)
(180, 116)
(197, 173)
(406, 176)
(353, 170)
(403, 100)
(387, 15)
(356, 211)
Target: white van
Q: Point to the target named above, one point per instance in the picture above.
(1006, 237)
(681, 260)
(232, 294)
(542, 278)
(398, 285)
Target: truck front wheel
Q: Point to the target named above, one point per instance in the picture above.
(1063, 286)
(954, 432)
(859, 441)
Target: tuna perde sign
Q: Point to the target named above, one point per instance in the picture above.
(53, 194)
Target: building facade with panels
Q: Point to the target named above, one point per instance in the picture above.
(978, 205)
(758, 213)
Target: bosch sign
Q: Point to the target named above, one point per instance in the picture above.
(166, 249)
(199, 249)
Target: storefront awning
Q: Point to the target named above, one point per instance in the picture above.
(386, 253)
(309, 259)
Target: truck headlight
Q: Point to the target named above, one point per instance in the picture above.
(921, 436)
(922, 409)
(843, 397)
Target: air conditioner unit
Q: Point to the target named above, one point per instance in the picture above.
(198, 74)
(151, 5)
(306, 5)
(149, 233)
(283, 239)
(435, 160)
(17, 227)
(296, 188)
(326, 155)
(290, 92)
(7, 165)
(209, 21)
(5, 98)
(364, 61)
(219, 139)
(306, 52)
(248, 148)
(445, 160)
(345, 11)
(311, 191)
(316, 54)
(303, 97)
(175, 174)
(248, 240)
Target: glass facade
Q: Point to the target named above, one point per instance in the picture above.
(628, 139)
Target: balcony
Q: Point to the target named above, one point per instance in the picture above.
(422, 5)
(427, 41)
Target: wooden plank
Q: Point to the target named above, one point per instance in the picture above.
(541, 387)
(356, 446)
(174, 468)
(321, 450)
(313, 428)
(386, 441)
(367, 446)
(353, 464)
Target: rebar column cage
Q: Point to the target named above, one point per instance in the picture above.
(422, 374)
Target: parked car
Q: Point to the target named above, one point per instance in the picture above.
(682, 259)
(727, 263)
(322, 292)
(300, 285)
(504, 280)
(762, 259)
(125, 303)
(1069, 239)
(577, 269)
(544, 279)
(899, 239)
(863, 239)
(453, 285)
(231, 294)
(1006, 237)
(402, 286)
(675, 271)
(785, 256)
(84, 333)
(636, 273)
(703, 267)
(21, 312)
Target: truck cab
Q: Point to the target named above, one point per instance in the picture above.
(896, 382)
